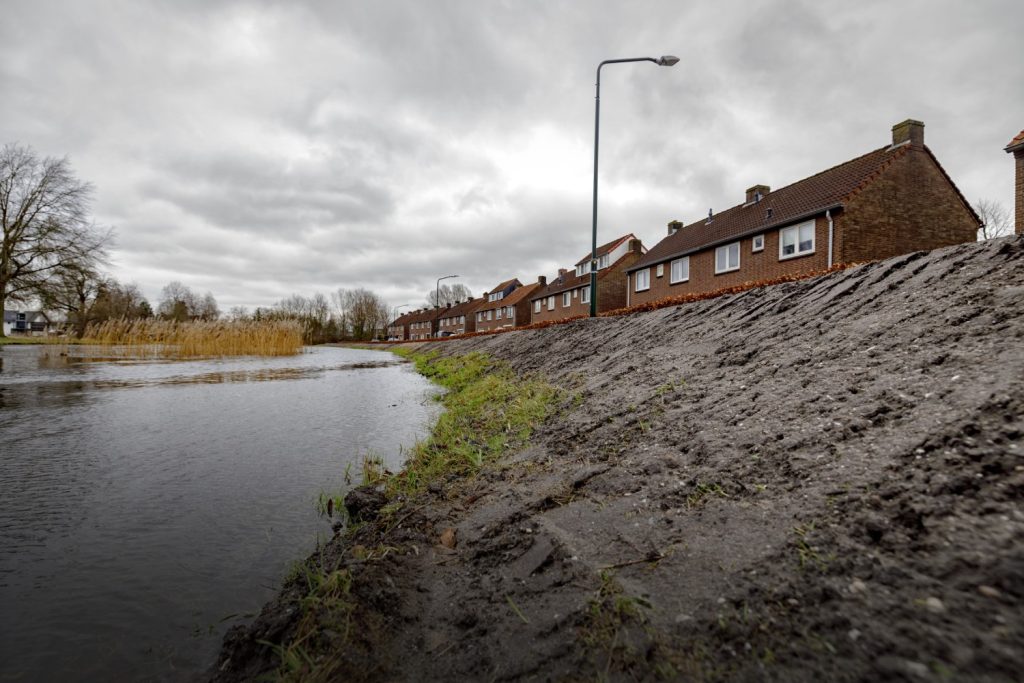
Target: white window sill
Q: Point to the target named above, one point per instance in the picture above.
(727, 270)
(642, 289)
(797, 255)
(679, 282)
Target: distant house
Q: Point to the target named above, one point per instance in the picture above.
(568, 294)
(459, 318)
(398, 329)
(422, 323)
(894, 200)
(507, 305)
(28, 323)
(1016, 148)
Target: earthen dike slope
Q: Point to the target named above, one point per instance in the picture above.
(819, 480)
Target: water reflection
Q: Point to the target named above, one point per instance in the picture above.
(142, 503)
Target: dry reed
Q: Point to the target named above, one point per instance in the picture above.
(153, 338)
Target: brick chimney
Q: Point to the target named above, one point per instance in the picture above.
(674, 227)
(757, 193)
(1016, 148)
(562, 272)
(636, 246)
(908, 131)
(542, 280)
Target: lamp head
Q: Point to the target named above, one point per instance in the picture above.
(667, 60)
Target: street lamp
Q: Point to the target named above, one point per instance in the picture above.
(665, 60)
(394, 313)
(437, 300)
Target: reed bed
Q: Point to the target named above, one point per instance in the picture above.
(198, 339)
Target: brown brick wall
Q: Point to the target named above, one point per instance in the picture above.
(576, 307)
(1018, 161)
(754, 266)
(522, 316)
(611, 294)
(909, 207)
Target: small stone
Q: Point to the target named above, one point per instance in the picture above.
(989, 591)
(448, 537)
(934, 605)
(853, 634)
(858, 586)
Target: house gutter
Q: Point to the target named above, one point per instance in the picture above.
(828, 216)
(777, 225)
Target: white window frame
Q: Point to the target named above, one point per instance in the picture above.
(725, 249)
(536, 305)
(585, 295)
(499, 312)
(551, 302)
(490, 314)
(642, 283)
(757, 243)
(660, 270)
(797, 229)
(684, 267)
(566, 299)
(510, 313)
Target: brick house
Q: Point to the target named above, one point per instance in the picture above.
(507, 305)
(1016, 148)
(459, 318)
(894, 200)
(398, 330)
(568, 294)
(422, 323)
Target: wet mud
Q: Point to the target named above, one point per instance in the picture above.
(820, 480)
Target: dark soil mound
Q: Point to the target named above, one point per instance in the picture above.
(814, 481)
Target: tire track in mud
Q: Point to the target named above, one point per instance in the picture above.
(820, 480)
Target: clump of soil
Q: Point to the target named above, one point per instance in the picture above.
(814, 481)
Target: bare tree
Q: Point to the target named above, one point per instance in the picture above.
(238, 313)
(179, 302)
(448, 295)
(44, 221)
(72, 290)
(364, 313)
(995, 219)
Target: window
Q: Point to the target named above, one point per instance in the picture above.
(757, 244)
(604, 261)
(727, 258)
(585, 295)
(660, 270)
(643, 279)
(462, 320)
(680, 270)
(536, 306)
(500, 311)
(551, 303)
(566, 299)
(479, 317)
(490, 314)
(511, 312)
(796, 240)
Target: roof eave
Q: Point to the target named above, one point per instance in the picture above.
(749, 233)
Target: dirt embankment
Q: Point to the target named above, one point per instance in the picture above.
(814, 481)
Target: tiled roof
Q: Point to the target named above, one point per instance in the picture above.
(803, 199)
(1016, 142)
(514, 297)
(605, 248)
(505, 284)
(571, 281)
(463, 308)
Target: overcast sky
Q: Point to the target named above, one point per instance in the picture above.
(261, 149)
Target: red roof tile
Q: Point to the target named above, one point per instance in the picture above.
(506, 283)
(571, 281)
(802, 199)
(605, 248)
(1016, 142)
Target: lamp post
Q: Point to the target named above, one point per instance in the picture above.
(394, 314)
(437, 300)
(665, 60)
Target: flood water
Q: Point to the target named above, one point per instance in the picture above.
(146, 507)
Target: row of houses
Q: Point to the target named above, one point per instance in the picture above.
(891, 200)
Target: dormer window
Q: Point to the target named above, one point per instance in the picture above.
(496, 296)
(603, 262)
